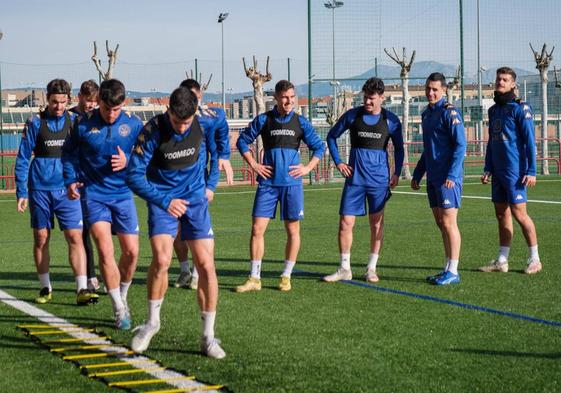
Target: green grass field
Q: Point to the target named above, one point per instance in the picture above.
(343, 337)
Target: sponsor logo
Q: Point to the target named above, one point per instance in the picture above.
(446, 202)
(54, 142)
(528, 115)
(519, 197)
(137, 228)
(372, 135)
(81, 223)
(282, 132)
(301, 214)
(210, 232)
(124, 130)
(179, 154)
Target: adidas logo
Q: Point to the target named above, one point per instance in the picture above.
(446, 202)
(301, 214)
(210, 232)
(519, 197)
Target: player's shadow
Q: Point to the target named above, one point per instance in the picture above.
(515, 354)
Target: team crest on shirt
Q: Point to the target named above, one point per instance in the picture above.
(124, 130)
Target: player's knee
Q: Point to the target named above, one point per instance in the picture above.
(40, 240)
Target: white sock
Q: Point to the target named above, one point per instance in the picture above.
(184, 266)
(154, 307)
(534, 251)
(195, 273)
(503, 254)
(447, 264)
(124, 288)
(208, 318)
(45, 281)
(256, 269)
(372, 261)
(453, 266)
(116, 300)
(81, 283)
(288, 266)
(346, 261)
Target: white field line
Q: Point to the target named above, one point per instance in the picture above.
(93, 338)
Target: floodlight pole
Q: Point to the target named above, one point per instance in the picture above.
(221, 18)
(479, 93)
(1, 125)
(332, 4)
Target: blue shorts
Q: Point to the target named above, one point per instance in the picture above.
(354, 198)
(291, 200)
(508, 190)
(45, 205)
(446, 198)
(195, 223)
(121, 213)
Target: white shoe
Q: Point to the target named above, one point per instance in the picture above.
(212, 348)
(141, 339)
(340, 274)
(495, 266)
(534, 265)
(183, 280)
(371, 276)
(194, 284)
(93, 284)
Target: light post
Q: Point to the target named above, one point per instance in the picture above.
(1, 125)
(331, 5)
(230, 105)
(479, 92)
(221, 18)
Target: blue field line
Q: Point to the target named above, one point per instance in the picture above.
(444, 301)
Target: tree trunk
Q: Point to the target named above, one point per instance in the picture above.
(545, 153)
(405, 127)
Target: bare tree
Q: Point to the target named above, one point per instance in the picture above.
(558, 86)
(543, 60)
(112, 55)
(204, 86)
(404, 75)
(258, 80)
(453, 85)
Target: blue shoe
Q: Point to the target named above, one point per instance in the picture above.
(432, 279)
(447, 279)
(123, 319)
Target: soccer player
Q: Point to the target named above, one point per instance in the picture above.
(367, 176)
(87, 101)
(510, 161)
(94, 161)
(444, 143)
(39, 183)
(217, 118)
(280, 179)
(167, 169)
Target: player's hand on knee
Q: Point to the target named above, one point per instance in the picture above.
(346, 170)
(22, 204)
(529, 181)
(177, 207)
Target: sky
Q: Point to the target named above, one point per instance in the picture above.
(160, 40)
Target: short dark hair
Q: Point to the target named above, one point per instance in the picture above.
(282, 86)
(58, 86)
(191, 84)
(112, 92)
(183, 103)
(373, 86)
(507, 70)
(437, 77)
(89, 88)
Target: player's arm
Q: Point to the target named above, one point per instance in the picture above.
(222, 138)
(335, 132)
(71, 161)
(246, 138)
(419, 172)
(315, 145)
(146, 144)
(213, 174)
(398, 151)
(23, 160)
(458, 133)
(526, 130)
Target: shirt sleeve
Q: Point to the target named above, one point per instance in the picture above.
(458, 137)
(311, 138)
(222, 136)
(420, 169)
(250, 133)
(397, 140)
(526, 130)
(213, 174)
(23, 159)
(71, 156)
(336, 131)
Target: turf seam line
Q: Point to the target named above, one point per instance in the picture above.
(443, 301)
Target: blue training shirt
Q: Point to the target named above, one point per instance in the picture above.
(39, 173)
(217, 117)
(280, 158)
(511, 150)
(370, 166)
(87, 154)
(159, 186)
(444, 142)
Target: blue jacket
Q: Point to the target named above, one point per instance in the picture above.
(444, 142)
(511, 150)
(281, 158)
(217, 117)
(370, 167)
(160, 186)
(38, 173)
(87, 154)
